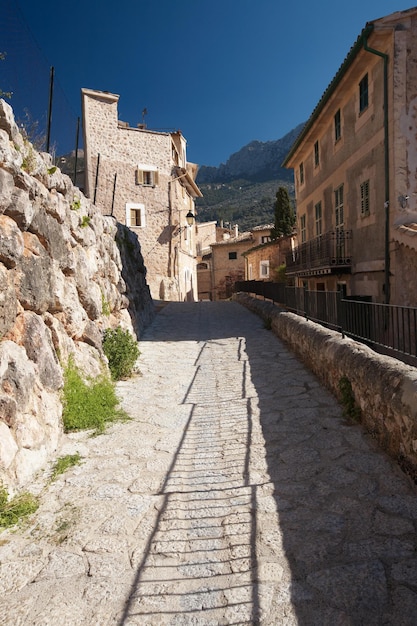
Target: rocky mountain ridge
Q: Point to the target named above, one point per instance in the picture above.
(258, 161)
(243, 189)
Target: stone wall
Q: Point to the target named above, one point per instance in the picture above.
(385, 389)
(62, 283)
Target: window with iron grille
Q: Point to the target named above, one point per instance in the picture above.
(365, 198)
(338, 204)
(303, 229)
(318, 215)
(363, 94)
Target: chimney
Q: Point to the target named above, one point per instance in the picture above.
(236, 230)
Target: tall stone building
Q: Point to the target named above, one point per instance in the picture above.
(355, 165)
(143, 179)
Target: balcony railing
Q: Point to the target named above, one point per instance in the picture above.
(329, 253)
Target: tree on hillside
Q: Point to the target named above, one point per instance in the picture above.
(284, 214)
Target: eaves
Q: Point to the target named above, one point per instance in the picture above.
(354, 51)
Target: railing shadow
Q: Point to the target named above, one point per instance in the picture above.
(275, 510)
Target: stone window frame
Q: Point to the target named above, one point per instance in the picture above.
(139, 213)
(147, 175)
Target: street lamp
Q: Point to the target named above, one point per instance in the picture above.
(189, 218)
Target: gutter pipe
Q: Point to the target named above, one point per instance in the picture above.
(386, 167)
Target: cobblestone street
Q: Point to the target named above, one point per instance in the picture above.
(237, 494)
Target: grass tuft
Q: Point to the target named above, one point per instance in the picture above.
(89, 404)
(63, 463)
(122, 352)
(17, 509)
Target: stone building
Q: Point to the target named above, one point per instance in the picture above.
(143, 179)
(355, 165)
(228, 261)
(263, 261)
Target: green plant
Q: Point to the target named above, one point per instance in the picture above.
(63, 463)
(350, 408)
(52, 170)
(122, 352)
(268, 323)
(15, 510)
(88, 403)
(105, 306)
(29, 161)
(85, 220)
(76, 204)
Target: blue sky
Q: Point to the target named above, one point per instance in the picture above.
(224, 72)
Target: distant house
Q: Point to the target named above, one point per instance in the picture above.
(228, 259)
(142, 178)
(355, 165)
(264, 260)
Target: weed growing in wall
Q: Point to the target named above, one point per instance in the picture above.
(350, 408)
(89, 403)
(105, 306)
(122, 352)
(17, 509)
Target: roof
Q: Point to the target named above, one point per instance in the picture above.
(265, 227)
(353, 52)
(243, 238)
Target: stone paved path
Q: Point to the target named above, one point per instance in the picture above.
(237, 494)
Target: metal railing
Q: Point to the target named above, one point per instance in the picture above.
(328, 251)
(386, 328)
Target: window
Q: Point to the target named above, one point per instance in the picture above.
(339, 216)
(135, 215)
(338, 203)
(318, 213)
(316, 154)
(303, 229)
(363, 94)
(337, 126)
(264, 269)
(365, 198)
(265, 238)
(301, 173)
(147, 177)
(232, 256)
(250, 272)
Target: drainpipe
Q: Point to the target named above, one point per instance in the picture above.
(386, 166)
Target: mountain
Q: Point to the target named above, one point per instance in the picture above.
(243, 189)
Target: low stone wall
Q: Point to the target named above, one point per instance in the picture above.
(66, 274)
(385, 389)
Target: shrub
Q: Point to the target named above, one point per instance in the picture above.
(88, 404)
(19, 507)
(122, 352)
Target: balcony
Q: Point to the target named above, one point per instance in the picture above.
(328, 254)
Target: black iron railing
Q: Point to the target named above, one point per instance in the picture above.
(384, 327)
(328, 252)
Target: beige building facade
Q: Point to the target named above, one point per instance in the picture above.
(355, 166)
(143, 179)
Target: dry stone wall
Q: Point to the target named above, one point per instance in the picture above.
(66, 274)
(385, 389)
